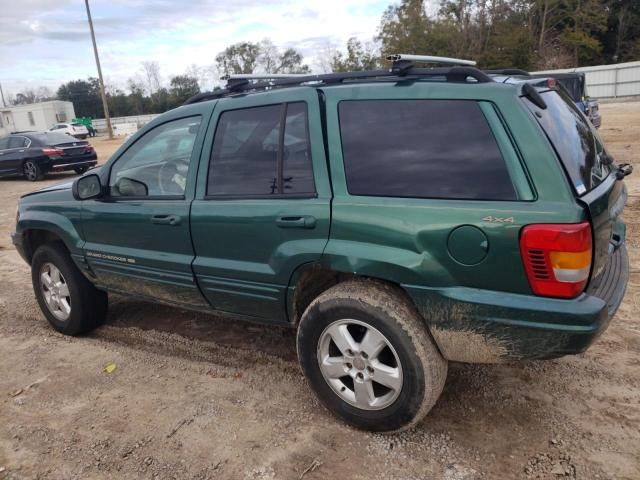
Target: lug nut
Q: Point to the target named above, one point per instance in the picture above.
(360, 376)
(349, 366)
(364, 355)
(350, 352)
(370, 369)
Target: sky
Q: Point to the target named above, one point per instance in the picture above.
(47, 42)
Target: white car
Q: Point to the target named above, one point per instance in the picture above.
(76, 130)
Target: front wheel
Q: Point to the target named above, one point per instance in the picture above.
(368, 356)
(32, 170)
(69, 301)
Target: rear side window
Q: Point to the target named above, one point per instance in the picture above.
(580, 150)
(262, 151)
(422, 149)
(17, 142)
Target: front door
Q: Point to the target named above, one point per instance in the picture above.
(262, 204)
(137, 237)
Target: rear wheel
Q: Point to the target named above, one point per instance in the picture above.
(368, 356)
(70, 302)
(32, 170)
(80, 170)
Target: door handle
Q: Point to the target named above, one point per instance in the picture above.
(296, 221)
(172, 220)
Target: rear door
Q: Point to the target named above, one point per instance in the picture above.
(589, 168)
(137, 237)
(262, 205)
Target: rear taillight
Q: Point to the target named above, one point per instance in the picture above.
(52, 151)
(88, 149)
(557, 258)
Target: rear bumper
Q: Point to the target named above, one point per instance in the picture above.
(73, 162)
(481, 326)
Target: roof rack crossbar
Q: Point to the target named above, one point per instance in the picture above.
(430, 59)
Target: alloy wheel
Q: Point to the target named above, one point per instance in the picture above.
(30, 170)
(360, 364)
(55, 291)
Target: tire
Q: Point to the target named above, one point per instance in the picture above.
(410, 363)
(80, 170)
(87, 305)
(32, 170)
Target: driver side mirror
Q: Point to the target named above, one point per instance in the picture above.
(87, 187)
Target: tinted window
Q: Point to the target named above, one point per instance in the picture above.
(578, 147)
(17, 142)
(158, 163)
(421, 148)
(248, 147)
(4, 143)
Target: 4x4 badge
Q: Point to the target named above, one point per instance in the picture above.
(493, 219)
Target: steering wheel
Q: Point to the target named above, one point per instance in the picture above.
(172, 176)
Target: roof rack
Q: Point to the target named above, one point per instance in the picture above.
(403, 69)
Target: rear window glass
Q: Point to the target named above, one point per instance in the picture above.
(248, 147)
(578, 146)
(422, 149)
(53, 138)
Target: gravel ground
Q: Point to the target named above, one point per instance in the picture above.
(195, 396)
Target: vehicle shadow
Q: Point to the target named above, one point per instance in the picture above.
(201, 328)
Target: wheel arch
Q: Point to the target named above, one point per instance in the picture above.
(312, 279)
(38, 230)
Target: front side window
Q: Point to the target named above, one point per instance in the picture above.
(422, 149)
(262, 151)
(158, 163)
(4, 143)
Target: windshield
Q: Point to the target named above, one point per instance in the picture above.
(577, 144)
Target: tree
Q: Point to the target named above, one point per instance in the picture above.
(85, 96)
(272, 60)
(151, 75)
(238, 58)
(586, 20)
(358, 57)
(183, 87)
(404, 28)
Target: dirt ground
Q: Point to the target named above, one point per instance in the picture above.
(195, 396)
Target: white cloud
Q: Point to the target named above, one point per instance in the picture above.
(46, 42)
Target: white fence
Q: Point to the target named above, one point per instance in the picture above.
(609, 81)
(100, 124)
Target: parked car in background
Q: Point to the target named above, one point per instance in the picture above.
(34, 154)
(575, 85)
(76, 130)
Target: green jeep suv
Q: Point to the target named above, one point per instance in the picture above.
(398, 219)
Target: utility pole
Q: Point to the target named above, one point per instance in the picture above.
(102, 94)
(4, 105)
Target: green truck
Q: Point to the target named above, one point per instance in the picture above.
(398, 219)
